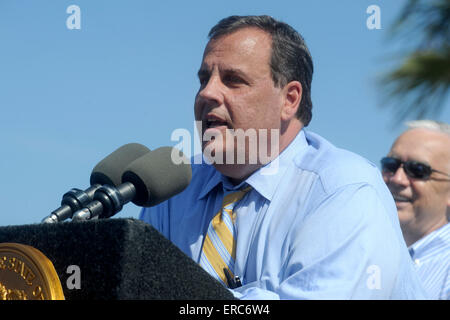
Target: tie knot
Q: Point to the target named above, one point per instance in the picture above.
(235, 196)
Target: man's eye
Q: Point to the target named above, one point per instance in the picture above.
(230, 79)
(203, 80)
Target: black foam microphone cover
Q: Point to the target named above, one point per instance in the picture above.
(157, 177)
(110, 169)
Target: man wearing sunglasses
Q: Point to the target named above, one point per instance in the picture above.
(417, 172)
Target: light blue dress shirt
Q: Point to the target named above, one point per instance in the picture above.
(431, 256)
(322, 226)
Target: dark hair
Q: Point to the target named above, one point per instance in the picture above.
(290, 58)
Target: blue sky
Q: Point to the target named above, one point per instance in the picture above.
(70, 97)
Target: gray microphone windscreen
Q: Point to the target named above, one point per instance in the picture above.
(110, 169)
(158, 175)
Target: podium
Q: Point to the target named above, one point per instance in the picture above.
(118, 259)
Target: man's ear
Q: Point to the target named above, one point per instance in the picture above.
(292, 97)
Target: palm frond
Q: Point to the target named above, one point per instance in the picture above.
(419, 86)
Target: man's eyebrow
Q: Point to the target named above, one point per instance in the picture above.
(239, 73)
(233, 71)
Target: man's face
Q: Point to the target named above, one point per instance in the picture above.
(422, 204)
(236, 91)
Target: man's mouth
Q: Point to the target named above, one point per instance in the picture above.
(398, 198)
(213, 121)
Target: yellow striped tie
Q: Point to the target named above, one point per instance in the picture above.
(219, 246)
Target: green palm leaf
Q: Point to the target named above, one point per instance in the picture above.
(419, 86)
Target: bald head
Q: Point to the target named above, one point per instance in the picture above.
(423, 204)
(428, 145)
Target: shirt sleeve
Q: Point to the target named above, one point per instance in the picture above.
(158, 217)
(346, 248)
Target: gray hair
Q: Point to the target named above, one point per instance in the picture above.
(441, 127)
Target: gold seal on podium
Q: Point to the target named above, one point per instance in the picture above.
(27, 274)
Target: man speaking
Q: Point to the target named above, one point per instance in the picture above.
(322, 224)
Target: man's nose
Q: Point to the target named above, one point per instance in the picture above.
(212, 91)
(399, 177)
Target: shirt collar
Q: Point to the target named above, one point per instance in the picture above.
(265, 180)
(430, 240)
(213, 181)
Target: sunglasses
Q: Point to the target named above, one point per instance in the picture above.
(413, 169)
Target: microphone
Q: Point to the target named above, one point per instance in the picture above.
(108, 171)
(147, 181)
